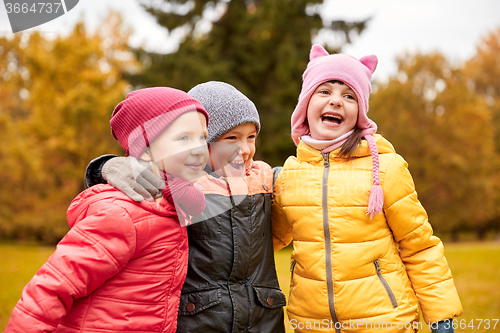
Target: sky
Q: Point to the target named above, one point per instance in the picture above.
(452, 27)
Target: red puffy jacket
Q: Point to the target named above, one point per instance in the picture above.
(120, 268)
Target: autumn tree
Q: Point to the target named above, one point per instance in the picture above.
(259, 46)
(56, 100)
(483, 74)
(444, 131)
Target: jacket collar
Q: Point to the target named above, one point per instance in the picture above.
(104, 191)
(306, 153)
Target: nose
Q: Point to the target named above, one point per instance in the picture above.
(335, 100)
(200, 150)
(244, 149)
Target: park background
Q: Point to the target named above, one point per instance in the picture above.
(442, 113)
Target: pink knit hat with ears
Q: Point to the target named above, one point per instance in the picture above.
(357, 75)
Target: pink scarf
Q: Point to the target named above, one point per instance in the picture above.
(326, 146)
(188, 199)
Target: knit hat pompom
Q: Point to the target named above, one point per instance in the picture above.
(357, 74)
(227, 107)
(138, 120)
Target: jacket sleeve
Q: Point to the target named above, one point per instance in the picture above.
(282, 229)
(93, 172)
(421, 252)
(90, 253)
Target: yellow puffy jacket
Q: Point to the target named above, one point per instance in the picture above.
(351, 273)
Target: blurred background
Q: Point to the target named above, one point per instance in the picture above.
(436, 98)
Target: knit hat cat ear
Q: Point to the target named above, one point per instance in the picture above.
(357, 74)
(370, 61)
(317, 51)
(324, 67)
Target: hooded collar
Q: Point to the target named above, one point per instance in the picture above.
(306, 153)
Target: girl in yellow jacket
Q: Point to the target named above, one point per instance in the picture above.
(364, 255)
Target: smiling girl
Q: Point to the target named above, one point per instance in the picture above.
(122, 265)
(363, 249)
(231, 284)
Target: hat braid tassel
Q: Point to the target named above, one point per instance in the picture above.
(376, 201)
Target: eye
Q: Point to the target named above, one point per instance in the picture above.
(324, 92)
(350, 96)
(252, 137)
(183, 138)
(203, 138)
(232, 137)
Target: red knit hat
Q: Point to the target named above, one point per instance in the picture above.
(145, 113)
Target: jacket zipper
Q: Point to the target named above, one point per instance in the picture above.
(385, 284)
(292, 267)
(328, 243)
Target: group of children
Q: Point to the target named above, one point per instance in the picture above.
(199, 257)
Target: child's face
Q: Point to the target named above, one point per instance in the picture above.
(332, 111)
(233, 152)
(181, 149)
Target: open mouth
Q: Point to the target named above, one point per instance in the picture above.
(332, 119)
(237, 164)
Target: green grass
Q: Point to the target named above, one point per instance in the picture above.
(476, 270)
(475, 267)
(18, 264)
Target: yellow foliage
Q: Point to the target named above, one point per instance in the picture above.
(56, 99)
(444, 130)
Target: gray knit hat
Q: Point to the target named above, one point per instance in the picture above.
(226, 106)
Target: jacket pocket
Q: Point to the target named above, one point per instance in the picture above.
(198, 301)
(385, 284)
(270, 298)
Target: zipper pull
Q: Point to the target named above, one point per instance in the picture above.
(326, 158)
(292, 267)
(377, 266)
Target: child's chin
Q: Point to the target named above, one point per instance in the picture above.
(328, 135)
(234, 172)
(190, 176)
(195, 176)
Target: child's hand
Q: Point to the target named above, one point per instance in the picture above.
(445, 326)
(133, 177)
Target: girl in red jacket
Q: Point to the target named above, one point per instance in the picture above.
(231, 285)
(122, 265)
